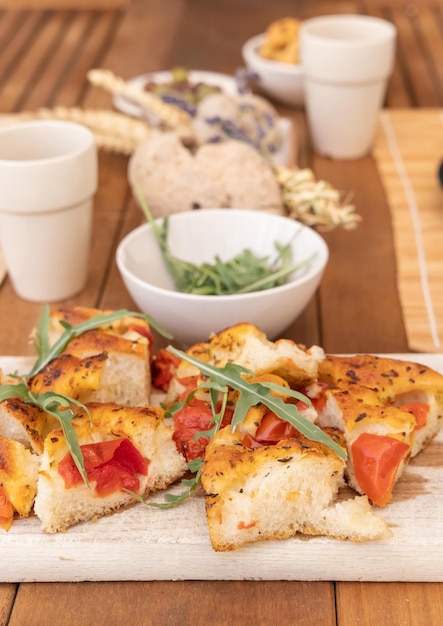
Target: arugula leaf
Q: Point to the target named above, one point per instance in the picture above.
(57, 405)
(243, 273)
(41, 342)
(172, 500)
(221, 379)
(46, 353)
(254, 393)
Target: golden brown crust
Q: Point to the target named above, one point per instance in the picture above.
(120, 335)
(18, 474)
(70, 375)
(98, 341)
(228, 461)
(111, 419)
(362, 409)
(24, 422)
(387, 376)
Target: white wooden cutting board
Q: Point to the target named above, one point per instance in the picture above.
(149, 544)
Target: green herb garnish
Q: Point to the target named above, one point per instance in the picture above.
(57, 405)
(231, 376)
(255, 393)
(46, 353)
(244, 273)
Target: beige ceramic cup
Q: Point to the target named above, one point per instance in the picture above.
(48, 178)
(346, 62)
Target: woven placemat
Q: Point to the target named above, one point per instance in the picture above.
(408, 150)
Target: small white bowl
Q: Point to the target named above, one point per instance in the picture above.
(197, 236)
(281, 81)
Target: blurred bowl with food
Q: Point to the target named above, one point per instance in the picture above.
(273, 57)
(199, 272)
(214, 107)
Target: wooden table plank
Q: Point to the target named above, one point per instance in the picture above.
(175, 603)
(7, 597)
(21, 29)
(48, 81)
(414, 62)
(408, 604)
(354, 255)
(37, 46)
(431, 20)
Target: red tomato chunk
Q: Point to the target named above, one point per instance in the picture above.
(195, 417)
(111, 465)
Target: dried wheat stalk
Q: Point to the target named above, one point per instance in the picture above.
(315, 203)
(113, 131)
(168, 114)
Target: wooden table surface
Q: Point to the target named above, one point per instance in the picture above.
(44, 57)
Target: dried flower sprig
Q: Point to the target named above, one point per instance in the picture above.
(314, 202)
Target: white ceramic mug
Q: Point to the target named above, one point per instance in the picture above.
(346, 62)
(48, 178)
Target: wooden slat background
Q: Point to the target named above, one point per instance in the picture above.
(408, 151)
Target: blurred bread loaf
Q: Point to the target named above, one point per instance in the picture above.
(227, 174)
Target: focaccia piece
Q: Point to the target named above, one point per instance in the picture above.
(144, 447)
(90, 379)
(245, 344)
(18, 480)
(378, 438)
(277, 491)
(125, 347)
(413, 387)
(24, 423)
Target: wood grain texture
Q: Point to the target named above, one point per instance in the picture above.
(63, 4)
(7, 597)
(176, 603)
(416, 80)
(409, 604)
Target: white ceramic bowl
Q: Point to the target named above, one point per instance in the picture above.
(197, 236)
(281, 81)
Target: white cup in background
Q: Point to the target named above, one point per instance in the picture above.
(346, 62)
(48, 178)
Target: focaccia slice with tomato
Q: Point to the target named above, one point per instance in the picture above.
(413, 387)
(245, 344)
(125, 449)
(124, 346)
(18, 480)
(378, 438)
(276, 491)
